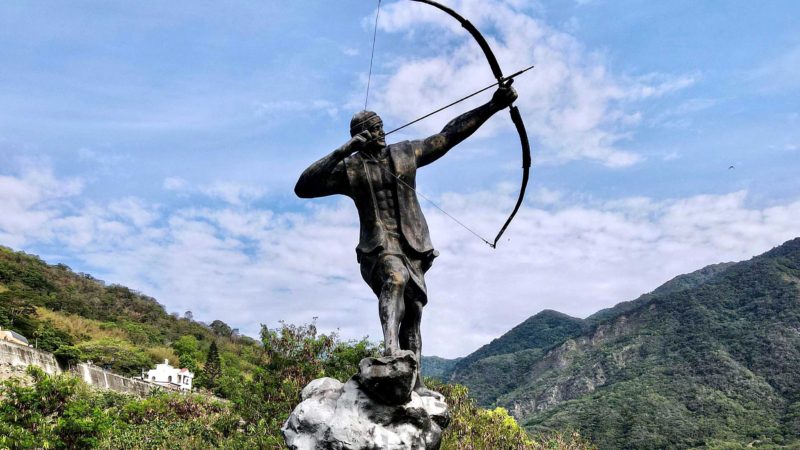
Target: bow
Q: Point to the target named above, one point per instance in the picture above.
(513, 110)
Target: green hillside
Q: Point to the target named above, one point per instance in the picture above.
(81, 318)
(438, 368)
(708, 359)
(494, 369)
(540, 331)
(679, 283)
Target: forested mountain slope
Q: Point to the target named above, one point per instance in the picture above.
(711, 356)
(81, 318)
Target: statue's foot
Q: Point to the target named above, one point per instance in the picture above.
(398, 353)
(422, 391)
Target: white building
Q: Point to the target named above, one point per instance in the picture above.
(170, 377)
(10, 336)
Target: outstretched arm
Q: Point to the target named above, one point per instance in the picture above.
(463, 126)
(327, 176)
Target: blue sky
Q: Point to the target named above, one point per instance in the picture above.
(156, 145)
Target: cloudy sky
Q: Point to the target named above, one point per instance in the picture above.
(156, 145)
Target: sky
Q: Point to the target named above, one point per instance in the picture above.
(156, 145)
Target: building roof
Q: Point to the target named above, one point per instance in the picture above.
(16, 336)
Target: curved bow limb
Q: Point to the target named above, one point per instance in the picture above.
(516, 117)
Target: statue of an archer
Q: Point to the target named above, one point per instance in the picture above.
(394, 248)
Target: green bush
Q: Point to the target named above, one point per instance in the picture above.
(117, 355)
(474, 428)
(68, 355)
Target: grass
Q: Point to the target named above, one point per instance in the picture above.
(82, 329)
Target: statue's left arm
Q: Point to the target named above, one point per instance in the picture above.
(462, 127)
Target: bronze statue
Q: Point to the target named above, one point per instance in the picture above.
(394, 248)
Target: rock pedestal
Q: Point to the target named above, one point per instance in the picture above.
(375, 410)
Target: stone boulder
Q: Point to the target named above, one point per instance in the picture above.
(375, 410)
(389, 380)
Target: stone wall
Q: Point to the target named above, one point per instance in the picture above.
(102, 379)
(16, 355)
(15, 358)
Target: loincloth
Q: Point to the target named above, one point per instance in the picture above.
(415, 262)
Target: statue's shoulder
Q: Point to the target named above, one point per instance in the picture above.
(402, 149)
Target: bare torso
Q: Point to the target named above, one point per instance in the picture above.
(384, 186)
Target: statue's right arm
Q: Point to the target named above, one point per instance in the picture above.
(326, 176)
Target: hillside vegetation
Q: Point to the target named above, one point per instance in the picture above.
(79, 318)
(710, 359)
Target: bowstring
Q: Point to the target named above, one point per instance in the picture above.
(366, 102)
(372, 56)
(453, 218)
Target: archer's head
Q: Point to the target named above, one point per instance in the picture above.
(368, 121)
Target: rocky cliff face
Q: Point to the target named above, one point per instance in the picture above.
(711, 355)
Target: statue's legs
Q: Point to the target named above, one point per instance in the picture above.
(391, 305)
(411, 336)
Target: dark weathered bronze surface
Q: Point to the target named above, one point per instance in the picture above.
(394, 248)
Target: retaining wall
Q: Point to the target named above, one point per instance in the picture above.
(99, 378)
(15, 358)
(18, 355)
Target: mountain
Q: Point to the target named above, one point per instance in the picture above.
(79, 317)
(437, 367)
(679, 283)
(494, 368)
(708, 358)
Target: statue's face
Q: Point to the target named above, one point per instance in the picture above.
(375, 127)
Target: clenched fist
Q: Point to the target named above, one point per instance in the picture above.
(504, 96)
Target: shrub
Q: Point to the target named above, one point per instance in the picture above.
(474, 428)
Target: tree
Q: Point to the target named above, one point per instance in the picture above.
(187, 347)
(221, 328)
(213, 368)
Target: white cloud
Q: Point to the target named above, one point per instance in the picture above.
(571, 102)
(249, 266)
(231, 192)
(25, 201)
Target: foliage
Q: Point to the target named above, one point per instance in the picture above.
(187, 346)
(54, 412)
(49, 338)
(68, 355)
(708, 359)
(541, 331)
(61, 412)
(438, 368)
(474, 428)
(221, 328)
(116, 355)
(294, 355)
(212, 371)
(78, 317)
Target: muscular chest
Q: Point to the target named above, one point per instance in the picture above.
(384, 185)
